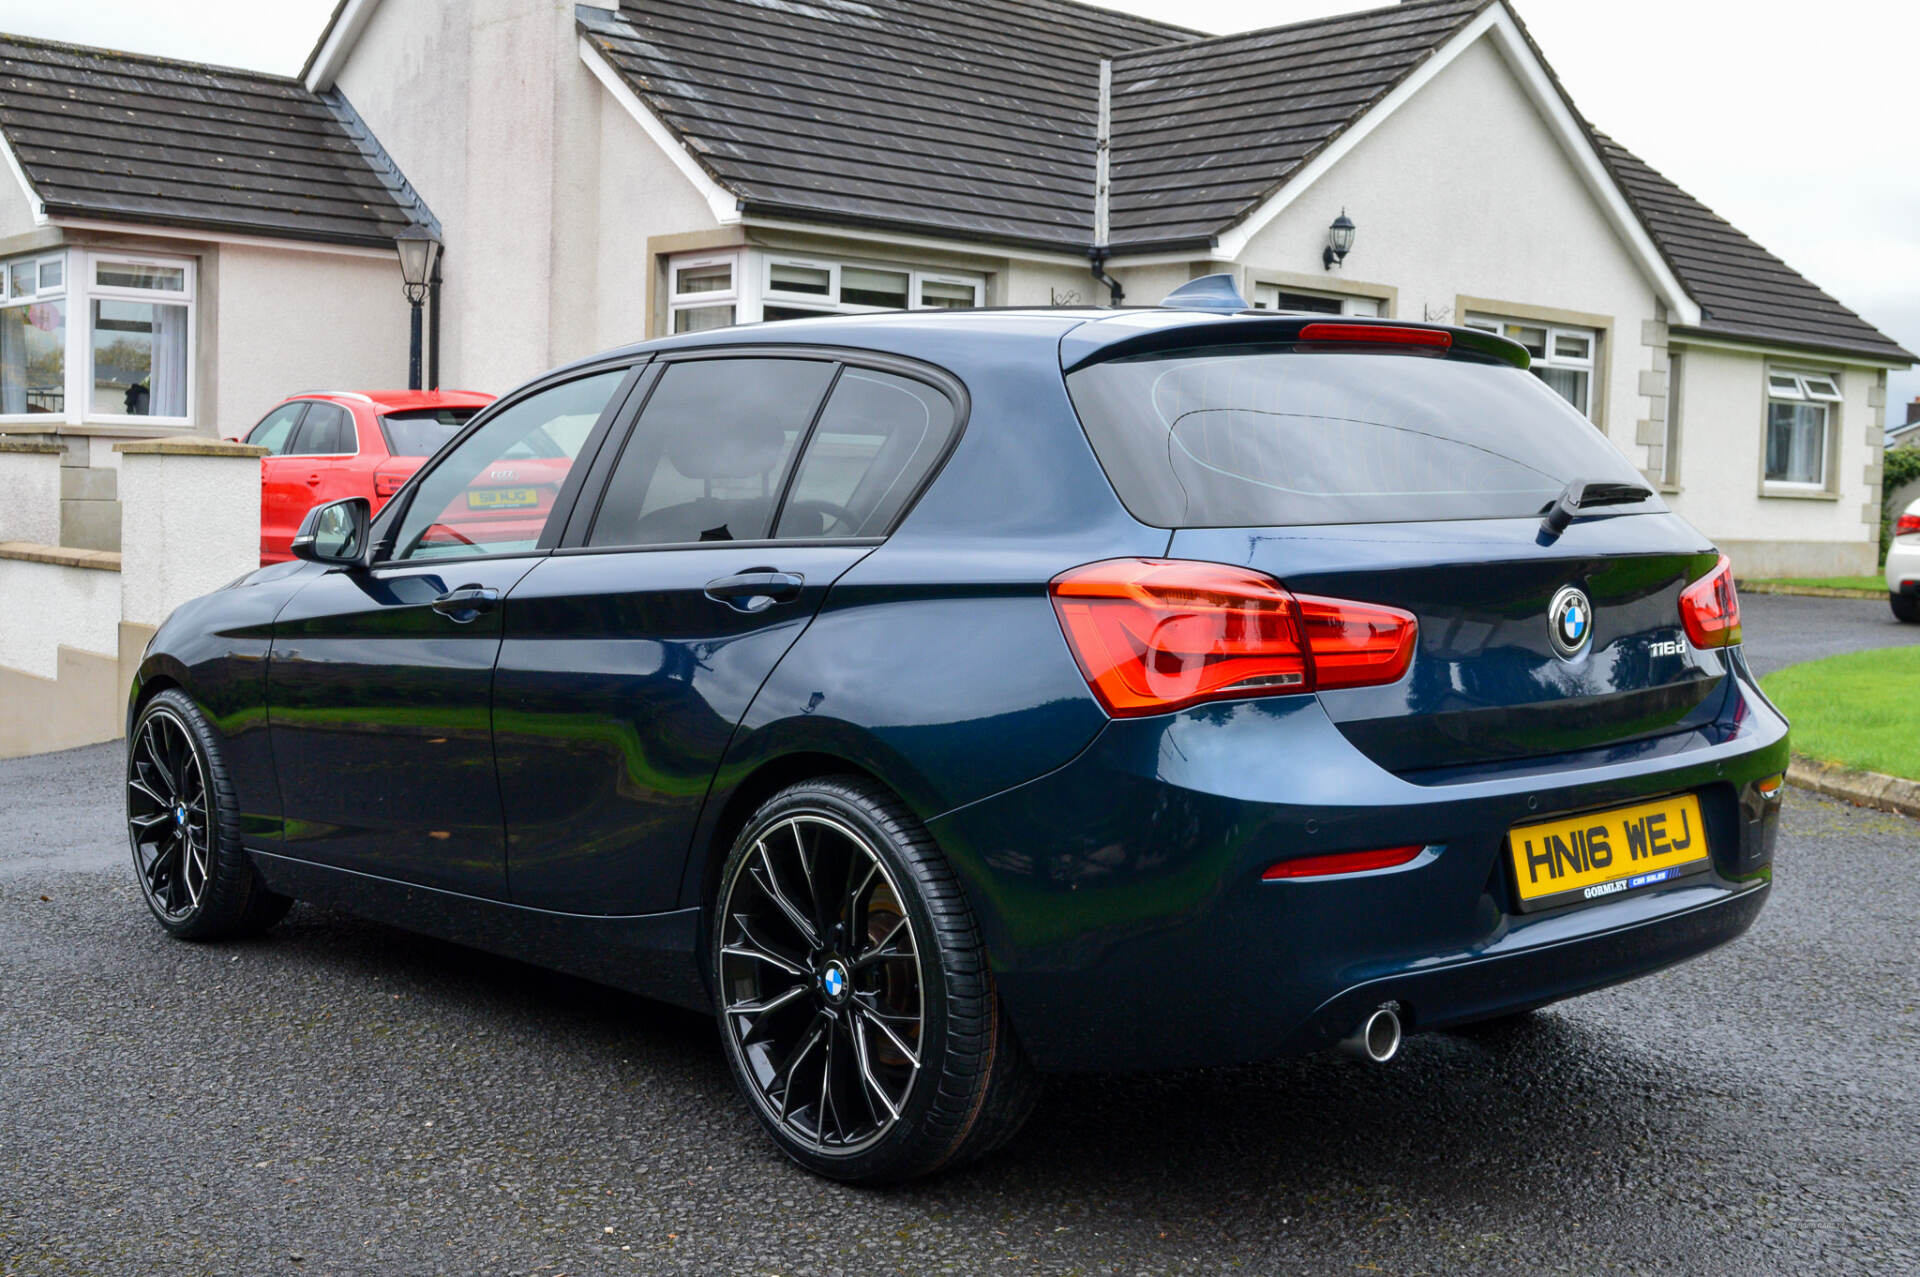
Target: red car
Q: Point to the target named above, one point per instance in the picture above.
(327, 445)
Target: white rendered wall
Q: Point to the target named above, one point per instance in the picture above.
(641, 193)
(191, 524)
(29, 503)
(290, 320)
(16, 211)
(1465, 191)
(546, 189)
(1722, 459)
(49, 606)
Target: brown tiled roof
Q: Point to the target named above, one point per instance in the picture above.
(131, 138)
(1205, 131)
(1743, 290)
(971, 117)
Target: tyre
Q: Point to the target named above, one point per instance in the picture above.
(1906, 607)
(183, 826)
(857, 1009)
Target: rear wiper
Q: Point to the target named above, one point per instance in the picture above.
(1586, 494)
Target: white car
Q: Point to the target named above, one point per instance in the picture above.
(1903, 565)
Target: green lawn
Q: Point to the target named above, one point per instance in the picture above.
(1861, 709)
(1877, 584)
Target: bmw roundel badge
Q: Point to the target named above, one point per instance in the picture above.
(833, 982)
(1570, 622)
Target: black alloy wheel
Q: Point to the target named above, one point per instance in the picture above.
(183, 831)
(856, 1007)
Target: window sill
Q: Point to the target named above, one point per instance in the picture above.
(1774, 492)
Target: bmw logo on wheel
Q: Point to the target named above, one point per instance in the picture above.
(1570, 622)
(833, 982)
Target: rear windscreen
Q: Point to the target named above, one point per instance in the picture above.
(421, 432)
(1258, 436)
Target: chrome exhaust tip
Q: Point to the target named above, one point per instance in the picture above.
(1377, 1039)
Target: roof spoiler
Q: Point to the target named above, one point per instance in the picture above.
(1144, 332)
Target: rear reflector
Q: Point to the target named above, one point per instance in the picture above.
(1906, 524)
(1710, 609)
(1342, 862)
(385, 485)
(1378, 334)
(1153, 635)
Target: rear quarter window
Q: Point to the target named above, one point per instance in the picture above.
(1258, 436)
(421, 432)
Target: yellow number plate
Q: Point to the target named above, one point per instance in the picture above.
(1591, 857)
(499, 498)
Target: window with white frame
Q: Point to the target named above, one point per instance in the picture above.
(1800, 407)
(33, 336)
(1563, 356)
(92, 336)
(704, 292)
(1274, 297)
(752, 285)
(138, 322)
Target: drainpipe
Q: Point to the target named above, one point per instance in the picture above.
(433, 323)
(1102, 185)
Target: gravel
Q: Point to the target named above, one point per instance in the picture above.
(344, 1098)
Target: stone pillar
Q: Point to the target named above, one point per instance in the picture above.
(29, 491)
(190, 510)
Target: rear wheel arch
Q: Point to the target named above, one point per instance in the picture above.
(747, 797)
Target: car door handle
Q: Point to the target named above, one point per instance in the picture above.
(466, 603)
(756, 590)
(313, 481)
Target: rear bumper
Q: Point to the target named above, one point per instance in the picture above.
(1903, 568)
(1121, 896)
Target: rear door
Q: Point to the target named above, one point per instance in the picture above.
(380, 681)
(328, 446)
(1400, 477)
(746, 488)
(281, 490)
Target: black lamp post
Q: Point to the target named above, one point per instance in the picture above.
(419, 253)
(1339, 241)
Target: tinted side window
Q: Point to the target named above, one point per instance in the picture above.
(707, 459)
(875, 442)
(275, 430)
(327, 431)
(493, 493)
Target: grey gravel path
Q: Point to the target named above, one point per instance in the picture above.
(343, 1098)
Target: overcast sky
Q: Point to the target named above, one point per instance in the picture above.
(1794, 122)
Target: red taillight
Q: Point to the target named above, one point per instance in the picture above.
(1153, 635)
(1906, 524)
(1380, 334)
(1710, 609)
(385, 485)
(1342, 862)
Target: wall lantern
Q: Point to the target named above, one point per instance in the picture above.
(1339, 241)
(419, 252)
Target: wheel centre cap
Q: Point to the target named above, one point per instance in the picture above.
(180, 814)
(835, 983)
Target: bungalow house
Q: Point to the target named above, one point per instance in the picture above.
(181, 246)
(604, 173)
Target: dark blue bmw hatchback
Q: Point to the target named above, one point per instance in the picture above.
(942, 699)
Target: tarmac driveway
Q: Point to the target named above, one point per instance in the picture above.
(344, 1098)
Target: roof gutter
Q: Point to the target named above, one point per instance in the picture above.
(342, 32)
